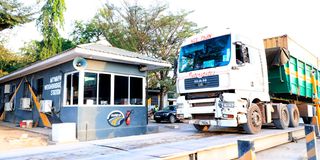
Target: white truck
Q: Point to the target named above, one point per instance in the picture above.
(227, 82)
(183, 108)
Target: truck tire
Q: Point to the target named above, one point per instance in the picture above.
(294, 115)
(201, 128)
(283, 122)
(172, 119)
(254, 120)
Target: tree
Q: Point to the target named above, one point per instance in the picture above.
(13, 13)
(150, 31)
(86, 32)
(50, 19)
(10, 61)
(32, 50)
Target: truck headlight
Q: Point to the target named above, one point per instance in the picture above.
(228, 104)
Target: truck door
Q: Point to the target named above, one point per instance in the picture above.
(248, 71)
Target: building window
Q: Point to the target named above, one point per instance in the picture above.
(121, 90)
(68, 90)
(39, 88)
(72, 89)
(90, 89)
(25, 90)
(98, 88)
(75, 88)
(136, 90)
(104, 89)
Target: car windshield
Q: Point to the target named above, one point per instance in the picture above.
(169, 108)
(210, 53)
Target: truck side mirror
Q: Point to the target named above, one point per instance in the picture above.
(245, 54)
(242, 55)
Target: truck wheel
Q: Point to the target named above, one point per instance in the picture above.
(201, 127)
(254, 120)
(294, 115)
(283, 122)
(172, 119)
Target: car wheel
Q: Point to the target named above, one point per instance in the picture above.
(172, 119)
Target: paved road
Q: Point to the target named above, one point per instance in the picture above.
(290, 151)
(171, 139)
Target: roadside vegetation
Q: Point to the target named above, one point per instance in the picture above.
(153, 31)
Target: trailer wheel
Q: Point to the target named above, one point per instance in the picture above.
(283, 121)
(201, 128)
(294, 115)
(254, 118)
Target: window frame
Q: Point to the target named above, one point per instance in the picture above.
(97, 90)
(112, 80)
(129, 97)
(64, 103)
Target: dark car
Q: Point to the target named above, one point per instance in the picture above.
(166, 114)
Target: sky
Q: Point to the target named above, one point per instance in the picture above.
(262, 18)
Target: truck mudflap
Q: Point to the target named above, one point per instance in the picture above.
(217, 123)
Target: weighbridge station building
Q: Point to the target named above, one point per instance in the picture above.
(100, 88)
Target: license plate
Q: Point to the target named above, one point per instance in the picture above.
(157, 116)
(203, 122)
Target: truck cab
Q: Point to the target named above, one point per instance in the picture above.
(227, 82)
(221, 76)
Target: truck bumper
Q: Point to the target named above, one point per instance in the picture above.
(218, 122)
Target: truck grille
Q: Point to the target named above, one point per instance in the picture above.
(204, 82)
(201, 95)
(203, 116)
(203, 104)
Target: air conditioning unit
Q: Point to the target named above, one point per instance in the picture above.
(8, 106)
(7, 88)
(46, 106)
(25, 103)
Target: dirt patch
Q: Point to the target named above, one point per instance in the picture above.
(11, 139)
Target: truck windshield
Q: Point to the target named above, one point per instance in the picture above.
(210, 53)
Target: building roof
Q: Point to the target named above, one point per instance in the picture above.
(102, 46)
(101, 50)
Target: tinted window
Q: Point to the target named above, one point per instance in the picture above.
(90, 89)
(120, 90)
(136, 89)
(210, 53)
(104, 89)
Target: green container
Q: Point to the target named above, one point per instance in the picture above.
(292, 80)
